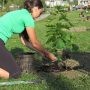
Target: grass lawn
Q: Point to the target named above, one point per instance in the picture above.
(50, 81)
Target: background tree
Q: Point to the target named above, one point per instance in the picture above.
(44, 5)
(3, 2)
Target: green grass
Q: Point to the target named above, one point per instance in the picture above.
(15, 46)
(82, 40)
(76, 20)
(50, 81)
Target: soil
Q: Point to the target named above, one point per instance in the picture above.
(83, 58)
(70, 63)
(72, 74)
(81, 63)
(76, 66)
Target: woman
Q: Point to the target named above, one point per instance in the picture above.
(17, 22)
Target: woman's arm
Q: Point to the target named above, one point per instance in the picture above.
(36, 45)
(26, 43)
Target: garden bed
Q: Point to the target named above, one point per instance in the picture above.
(28, 63)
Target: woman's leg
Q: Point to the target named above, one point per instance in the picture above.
(4, 74)
(8, 66)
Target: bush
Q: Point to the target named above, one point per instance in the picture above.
(58, 24)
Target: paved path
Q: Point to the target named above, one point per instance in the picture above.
(42, 17)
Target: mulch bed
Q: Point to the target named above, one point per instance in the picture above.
(78, 63)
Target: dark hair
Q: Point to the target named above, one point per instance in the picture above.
(29, 4)
(25, 35)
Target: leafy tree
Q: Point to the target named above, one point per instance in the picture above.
(58, 34)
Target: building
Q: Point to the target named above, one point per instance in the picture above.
(84, 2)
(52, 3)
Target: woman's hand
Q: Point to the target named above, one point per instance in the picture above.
(37, 45)
(51, 56)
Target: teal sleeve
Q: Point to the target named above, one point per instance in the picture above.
(29, 21)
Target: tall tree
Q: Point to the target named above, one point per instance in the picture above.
(3, 2)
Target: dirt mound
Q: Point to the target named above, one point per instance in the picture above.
(70, 63)
(69, 67)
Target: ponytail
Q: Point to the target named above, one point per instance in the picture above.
(25, 35)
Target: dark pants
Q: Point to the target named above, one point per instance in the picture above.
(7, 62)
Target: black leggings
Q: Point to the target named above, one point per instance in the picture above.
(7, 62)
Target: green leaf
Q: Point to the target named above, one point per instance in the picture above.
(60, 44)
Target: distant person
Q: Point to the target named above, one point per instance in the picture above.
(20, 21)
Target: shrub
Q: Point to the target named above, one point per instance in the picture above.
(58, 25)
